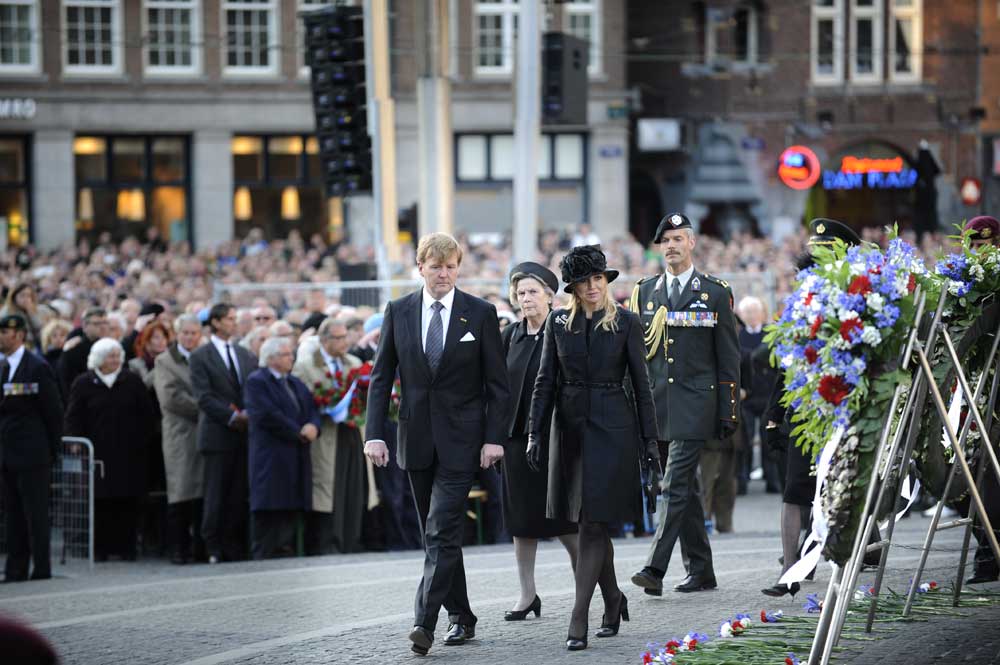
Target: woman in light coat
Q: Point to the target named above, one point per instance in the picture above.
(182, 461)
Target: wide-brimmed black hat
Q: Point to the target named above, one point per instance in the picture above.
(827, 231)
(583, 262)
(538, 271)
(671, 222)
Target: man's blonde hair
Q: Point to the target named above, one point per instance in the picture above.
(438, 247)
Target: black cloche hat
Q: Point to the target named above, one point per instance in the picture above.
(540, 272)
(583, 262)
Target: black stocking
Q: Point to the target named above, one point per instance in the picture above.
(595, 565)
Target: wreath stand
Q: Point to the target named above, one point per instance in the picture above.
(891, 464)
(975, 488)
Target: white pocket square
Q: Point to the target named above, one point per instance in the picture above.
(468, 337)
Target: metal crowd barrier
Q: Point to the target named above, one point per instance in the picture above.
(71, 503)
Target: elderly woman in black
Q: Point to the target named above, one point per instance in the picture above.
(589, 349)
(532, 287)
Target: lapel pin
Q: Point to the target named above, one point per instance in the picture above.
(463, 319)
(696, 284)
(704, 296)
(649, 305)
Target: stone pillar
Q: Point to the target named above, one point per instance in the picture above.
(608, 181)
(53, 209)
(212, 187)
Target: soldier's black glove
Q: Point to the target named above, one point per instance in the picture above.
(652, 454)
(727, 430)
(533, 454)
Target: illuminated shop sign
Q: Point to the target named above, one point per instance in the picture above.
(798, 167)
(871, 173)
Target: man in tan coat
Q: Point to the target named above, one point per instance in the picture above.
(183, 463)
(343, 484)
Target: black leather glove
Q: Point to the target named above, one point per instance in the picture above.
(652, 454)
(727, 430)
(776, 440)
(533, 454)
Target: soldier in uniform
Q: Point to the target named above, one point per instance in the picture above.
(693, 356)
(31, 417)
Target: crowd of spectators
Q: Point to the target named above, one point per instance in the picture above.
(143, 294)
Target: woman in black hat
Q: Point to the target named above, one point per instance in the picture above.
(588, 350)
(532, 287)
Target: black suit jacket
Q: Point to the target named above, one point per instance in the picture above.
(73, 363)
(216, 394)
(456, 410)
(31, 415)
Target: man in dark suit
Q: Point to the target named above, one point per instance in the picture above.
(218, 373)
(73, 361)
(694, 368)
(31, 418)
(446, 347)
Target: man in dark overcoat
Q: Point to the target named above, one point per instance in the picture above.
(30, 440)
(73, 361)
(446, 347)
(219, 371)
(694, 367)
(283, 424)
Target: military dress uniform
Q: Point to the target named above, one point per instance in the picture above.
(693, 356)
(30, 441)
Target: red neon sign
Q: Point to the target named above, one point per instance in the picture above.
(798, 167)
(852, 164)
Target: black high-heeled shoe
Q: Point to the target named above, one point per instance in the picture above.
(576, 643)
(611, 629)
(520, 615)
(779, 590)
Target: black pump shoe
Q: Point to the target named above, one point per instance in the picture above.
(610, 629)
(520, 615)
(576, 643)
(779, 590)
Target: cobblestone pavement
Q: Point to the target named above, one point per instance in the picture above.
(358, 608)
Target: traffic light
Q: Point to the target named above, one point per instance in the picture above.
(335, 52)
(564, 79)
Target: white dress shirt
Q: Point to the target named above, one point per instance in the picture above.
(684, 277)
(187, 354)
(220, 346)
(332, 364)
(427, 312)
(13, 360)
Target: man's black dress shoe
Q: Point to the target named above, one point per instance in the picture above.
(649, 583)
(422, 640)
(459, 633)
(696, 583)
(982, 576)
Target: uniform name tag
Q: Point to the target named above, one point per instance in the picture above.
(14, 389)
(692, 319)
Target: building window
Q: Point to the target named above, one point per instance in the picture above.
(130, 185)
(496, 36)
(490, 157)
(15, 190)
(252, 45)
(827, 43)
(93, 36)
(278, 187)
(173, 36)
(746, 34)
(583, 20)
(300, 30)
(905, 40)
(19, 37)
(867, 58)
(866, 41)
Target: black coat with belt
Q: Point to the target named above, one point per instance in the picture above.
(594, 462)
(119, 421)
(451, 412)
(31, 414)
